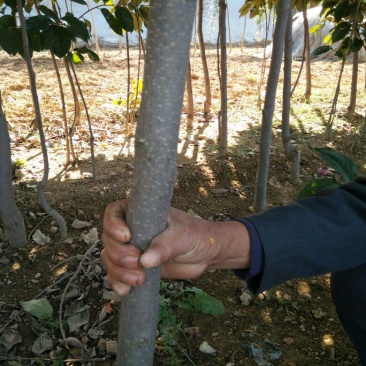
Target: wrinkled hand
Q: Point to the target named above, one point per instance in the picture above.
(184, 250)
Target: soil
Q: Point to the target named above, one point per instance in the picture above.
(297, 318)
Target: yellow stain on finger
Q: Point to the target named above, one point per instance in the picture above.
(212, 241)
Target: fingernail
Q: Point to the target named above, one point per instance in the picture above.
(131, 261)
(149, 259)
(120, 290)
(120, 235)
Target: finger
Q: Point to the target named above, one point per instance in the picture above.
(120, 289)
(114, 223)
(120, 274)
(120, 254)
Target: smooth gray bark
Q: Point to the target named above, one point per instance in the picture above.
(167, 56)
(207, 103)
(260, 198)
(10, 214)
(223, 79)
(291, 152)
(32, 80)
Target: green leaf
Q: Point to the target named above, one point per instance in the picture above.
(112, 21)
(342, 10)
(40, 308)
(11, 41)
(341, 163)
(11, 3)
(201, 302)
(77, 27)
(35, 41)
(57, 40)
(356, 44)
(340, 31)
(82, 2)
(8, 21)
(48, 12)
(313, 188)
(77, 58)
(93, 56)
(320, 50)
(124, 18)
(38, 23)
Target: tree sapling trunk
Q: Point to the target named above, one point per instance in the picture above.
(207, 104)
(260, 198)
(10, 214)
(291, 152)
(167, 56)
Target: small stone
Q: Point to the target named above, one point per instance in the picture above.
(207, 349)
(4, 260)
(96, 217)
(246, 298)
(53, 230)
(87, 175)
(111, 347)
(80, 212)
(68, 241)
(288, 340)
(37, 275)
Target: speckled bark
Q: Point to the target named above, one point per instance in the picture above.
(167, 54)
(10, 214)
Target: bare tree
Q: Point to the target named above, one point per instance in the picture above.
(32, 79)
(167, 56)
(260, 198)
(11, 216)
(291, 152)
(207, 104)
(223, 80)
(190, 112)
(307, 94)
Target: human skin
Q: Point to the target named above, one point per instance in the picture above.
(185, 249)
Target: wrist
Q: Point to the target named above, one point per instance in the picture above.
(232, 242)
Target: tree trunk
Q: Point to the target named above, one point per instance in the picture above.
(207, 104)
(307, 52)
(11, 216)
(167, 56)
(291, 153)
(353, 96)
(32, 80)
(260, 198)
(190, 112)
(333, 110)
(223, 80)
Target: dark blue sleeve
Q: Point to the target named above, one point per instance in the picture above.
(253, 275)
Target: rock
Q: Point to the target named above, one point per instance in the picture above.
(4, 260)
(246, 298)
(111, 347)
(288, 340)
(207, 349)
(53, 229)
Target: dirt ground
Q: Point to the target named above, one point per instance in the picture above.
(296, 318)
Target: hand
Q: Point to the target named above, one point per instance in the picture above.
(184, 250)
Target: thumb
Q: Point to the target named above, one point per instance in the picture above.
(156, 254)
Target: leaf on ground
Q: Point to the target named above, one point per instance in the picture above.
(77, 224)
(40, 308)
(91, 237)
(40, 238)
(43, 343)
(274, 182)
(10, 338)
(78, 319)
